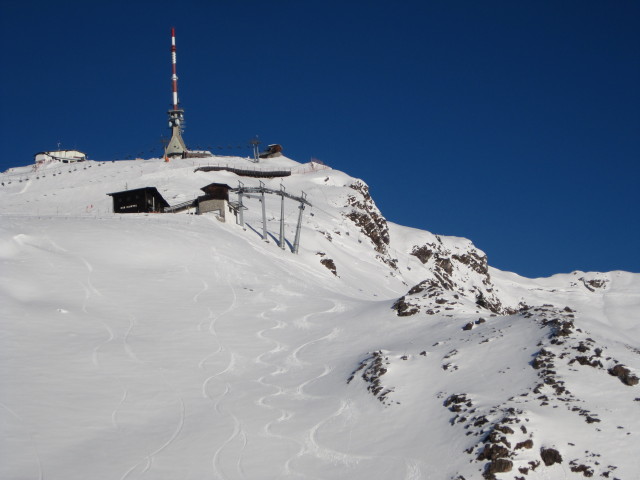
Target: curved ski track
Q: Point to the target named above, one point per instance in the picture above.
(274, 361)
(286, 419)
(307, 445)
(32, 442)
(92, 292)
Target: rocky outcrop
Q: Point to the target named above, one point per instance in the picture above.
(404, 308)
(474, 259)
(367, 217)
(624, 374)
(506, 438)
(503, 436)
(499, 465)
(328, 263)
(371, 371)
(457, 280)
(593, 284)
(550, 456)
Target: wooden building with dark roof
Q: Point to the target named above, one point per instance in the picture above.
(139, 200)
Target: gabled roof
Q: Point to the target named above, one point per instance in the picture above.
(215, 186)
(153, 190)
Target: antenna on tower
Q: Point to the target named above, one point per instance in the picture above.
(176, 146)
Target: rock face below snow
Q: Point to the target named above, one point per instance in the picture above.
(367, 217)
(502, 434)
(371, 370)
(328, 262)
(457, 279)
(624, 374)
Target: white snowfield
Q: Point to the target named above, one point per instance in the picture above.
(175, 346)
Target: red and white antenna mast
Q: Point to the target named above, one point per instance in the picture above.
(174, 76)
(176, 145)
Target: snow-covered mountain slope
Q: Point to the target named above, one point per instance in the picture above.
(168, 346)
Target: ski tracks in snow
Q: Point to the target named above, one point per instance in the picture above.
(91, 292)
(148, 460)
(205, 287)
(280, 424)
(230, 366)
(32, 442)
(212, 319)
(294, 359)
(238, 435)
(313, 447)
(283, 414)
(125, 339)
(413, 472)
(294, 364)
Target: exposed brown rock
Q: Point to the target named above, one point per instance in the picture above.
(526, 444)
(474, 261)
(493, 451)
(504, 429)
(404, 308)
(456, 401)
(419, 288)
(373, 368)
(499, 465)
(423, 253)
(445, 264)
(550, 456)
(593, 284)
(586, 471)
(367, 217)
(624, 374)
(491, 304)
(330, 264)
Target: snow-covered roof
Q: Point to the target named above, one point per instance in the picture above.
(60, 155)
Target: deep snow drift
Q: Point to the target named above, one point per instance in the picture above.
(168, 346)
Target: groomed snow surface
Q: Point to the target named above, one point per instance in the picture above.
(175, 346)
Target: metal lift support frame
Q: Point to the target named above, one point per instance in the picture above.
(243, 191)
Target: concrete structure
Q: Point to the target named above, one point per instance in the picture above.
(64, 156)
(215, 200)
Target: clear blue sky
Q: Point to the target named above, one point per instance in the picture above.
(515, 124)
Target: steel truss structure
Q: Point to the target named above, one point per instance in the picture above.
(259, 194)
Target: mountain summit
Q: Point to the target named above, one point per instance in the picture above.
(175, 345)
